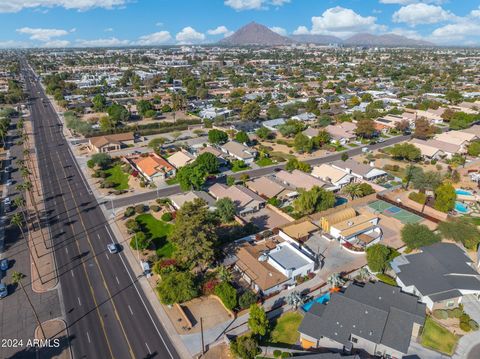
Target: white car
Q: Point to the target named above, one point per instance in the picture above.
(112, 248)
(7, 201)
(9, 182)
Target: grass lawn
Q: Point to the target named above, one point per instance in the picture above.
(265, 161)
(117, 176)
(285, 329)
(158, 231)
(436, 337)
(171, 181)
(285, 156)
(237, 168)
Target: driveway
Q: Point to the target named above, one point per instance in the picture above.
(336, 258)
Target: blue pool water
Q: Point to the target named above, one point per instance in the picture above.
(463, 192)
(460, 207)
(340, 200)
(322, 300)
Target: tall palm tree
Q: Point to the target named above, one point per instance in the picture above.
(17, 278)
(27, 186)
(335, 280)
(353, 190)
(18, 221)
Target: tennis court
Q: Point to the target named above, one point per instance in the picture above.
(395, 212)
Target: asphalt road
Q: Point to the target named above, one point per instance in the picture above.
(107, 314)
(171, 190)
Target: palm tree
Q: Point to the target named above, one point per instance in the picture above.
(294, 299)
(353, 190)
(224, 274)
(18, 221)
(17, 279)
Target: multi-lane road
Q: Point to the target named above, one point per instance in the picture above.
(107, 314)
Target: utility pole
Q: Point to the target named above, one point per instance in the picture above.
(201, 330)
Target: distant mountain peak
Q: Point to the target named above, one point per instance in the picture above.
(255, 34)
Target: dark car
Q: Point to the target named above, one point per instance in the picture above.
(4, 264)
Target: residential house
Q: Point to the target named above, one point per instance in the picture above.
(181, 158)
(269, 188)
(273, 125)
(213, 112)
(336, 176)
(178, 200)
(377, 318)
(342, 133)
(216, 152)
(440, 275)
(304, 117)
(152, 167)
(271, 265)
(298, 179)
(311, 132)
(359, 170)
(108, 143)
(239, 151)
(298, 233)
(245, 200)
(458, 138)
(435, 149)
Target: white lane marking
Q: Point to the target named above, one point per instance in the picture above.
(79, 302)
(66, 250)
(88, 338)
(141, 299)
(116, 278)
(98, 235)
(149, 351)
(130, 309)
(106, 255)
(71, 272)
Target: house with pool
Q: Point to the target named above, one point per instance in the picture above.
(377, 318)
(440, 275)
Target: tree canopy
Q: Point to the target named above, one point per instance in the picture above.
(445, 197)
(461, 230)
(217, 137)
(416, 235)
(315, 200)
(177, 287)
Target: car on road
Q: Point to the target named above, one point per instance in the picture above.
(8, 168)
(3, 290)
(112, 248)
(7, 201)
(4, 264)
(9, 182)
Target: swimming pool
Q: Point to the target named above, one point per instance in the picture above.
(340, 200)
(322, 300)
(463, 192)
(461, 208)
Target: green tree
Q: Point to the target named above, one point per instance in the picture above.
(426, 181)
(242, 137)
(208, 161)
(365, 128)
(377, 257)
(118, 113)
(191, 177)
(264, 133)
(291, 128)
(177, 287)
(245, 347)
(294, 164)
(474, 149)
(423, 129)
(143, 106)
(140, 241)
(157, 143)
(217, 136)
(102, 160)
(353, 190)
(99, 102)
(315, 200)
(226, 209)
(257, 321)
(194, 234)
(453, 96)
(461, 230)
(302, 143)
(445, 197)
(405, 151)
(323, 137)
(273, 112)
(416, 235)
(344, 156)
(250, 111)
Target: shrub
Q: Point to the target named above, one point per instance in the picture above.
(164, 267)
(90, 163)
(209, 286)
(457, 312)
(440, 314)
(130, 211)
(418, 197)
(245, 347)
(155, 208)
(464, 317)
(286, 355)
(167, 217)
(139, 208)
(473, 325)
(177, 287)
(247, 299)
(386, 279)
(228, 294)
(277, 353)
(163, 201)
(450, 313)
(465, 326)
(132, 226)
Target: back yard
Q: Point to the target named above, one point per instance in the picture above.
(438, 338)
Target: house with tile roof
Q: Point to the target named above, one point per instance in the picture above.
(377, 318)
(245, 200)
(152, 167)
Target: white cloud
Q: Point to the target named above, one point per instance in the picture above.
(454, 33)
(159, 23)
(56, 43)
(241, 5)
(416, 14)
(18, 5)
(475, 13)
(301, 30)
(279, 30)
(42, 34)
(108, 29)
(220, 30)
(407, 2)
(189, 35)
(157, 38)
(108, 42)
(340, 21)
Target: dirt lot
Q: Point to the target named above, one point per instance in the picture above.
(208, 308)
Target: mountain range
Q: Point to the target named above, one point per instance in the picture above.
(257, 34)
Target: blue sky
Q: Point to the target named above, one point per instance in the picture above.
(59, 23)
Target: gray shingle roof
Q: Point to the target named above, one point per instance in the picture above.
(377, 312)
(438, 270)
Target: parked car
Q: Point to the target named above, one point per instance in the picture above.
(3, 290)
(112, 248)
(4, 264)
(7, 201)
(9, 182)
